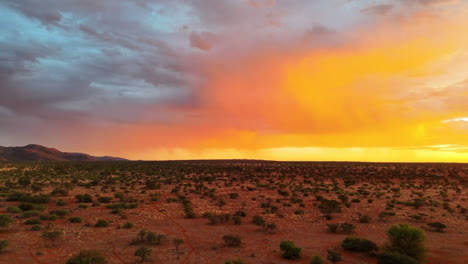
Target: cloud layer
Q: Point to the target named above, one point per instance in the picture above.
(255, 78)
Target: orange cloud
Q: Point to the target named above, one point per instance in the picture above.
(380, 94)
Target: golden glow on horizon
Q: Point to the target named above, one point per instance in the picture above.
(310, 154)
(396, 92)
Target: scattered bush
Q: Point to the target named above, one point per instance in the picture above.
(13, 210)
(3, 244)
(143, 253)
(437, 226)
(87, 257)
(358, 244)
(32, 222)
(84, 198)
(232, 240)
(5, 221)
(290, 251)
(406, 240)
(128, 225)
(75, 219)
(101, 223)
(60, 202)
(394, 258)
(316, 260)
(52, 236)
(36, 228)
(333, 256)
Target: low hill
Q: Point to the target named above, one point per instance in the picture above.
(35, 152)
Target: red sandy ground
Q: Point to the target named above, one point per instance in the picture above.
(307, 231)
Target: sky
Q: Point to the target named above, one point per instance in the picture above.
(353, 80)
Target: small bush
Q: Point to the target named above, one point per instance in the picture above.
(61, 212)
(60, 202)
(240, 213)
(237, 220)
(333, 227)
(75, 219)
(333, 256)
(143, 253)
(128, 225)
(316, 260)
(36, 228)
(364, 218)
(3, 244)
(32, 222)
(84, 198)
(437, 226)
(101, 223)
(290, 251)
(232, 240)
(394, 258)
(5, 220)
(13, 210)
(406, 240)
(358, 244)
(258, 220)
(87, 257)
(347, 227)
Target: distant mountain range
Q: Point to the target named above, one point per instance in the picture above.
(34, 152)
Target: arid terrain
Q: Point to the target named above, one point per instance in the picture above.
(193, 204)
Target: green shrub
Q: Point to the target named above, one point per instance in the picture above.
(60, 212)
(87, 257)
(128, 225)
(75, 219)
(29, 214)
(394, 258)
(290, 251)
(316, 260)
(333, 256)
(437, 226)
(406, 240)
(13, 210)
(48, 217)
(101, 223)
(143, 253)
(358, 244)
(237, 220)
(347, 227)
(36, 227)
(32, 222)
(240, 213)
(3, 244)
(84, 198)
(364, 218)
(333, 227)
(232, 240)
(5, 220)
(60, 202)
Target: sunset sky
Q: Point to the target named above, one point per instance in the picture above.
(357, 80)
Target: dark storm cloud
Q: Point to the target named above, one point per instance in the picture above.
(67, 60)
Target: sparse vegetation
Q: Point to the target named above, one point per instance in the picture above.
(290, 250)
(145, 204)
(87, 257)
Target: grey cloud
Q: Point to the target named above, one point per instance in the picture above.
(381, 9)
(203, 40)
(113, 45)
